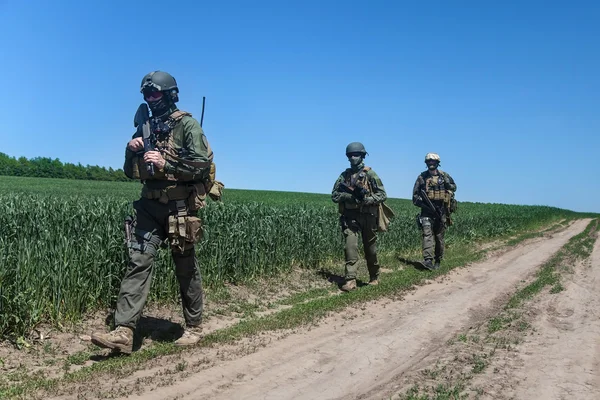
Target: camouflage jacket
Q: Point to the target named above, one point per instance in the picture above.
(185, 150)
(362, 178)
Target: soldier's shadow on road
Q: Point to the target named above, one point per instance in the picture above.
(417, 264)
(338, 279)
(155, 329)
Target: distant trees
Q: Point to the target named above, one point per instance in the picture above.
(45, 167)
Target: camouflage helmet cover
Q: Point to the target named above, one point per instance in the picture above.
(159, 80)
(356, 147)
(432, 156)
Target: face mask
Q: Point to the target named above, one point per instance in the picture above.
(355, 160)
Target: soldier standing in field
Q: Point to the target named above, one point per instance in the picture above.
(434, 194)
(176, 177)
(358, 191)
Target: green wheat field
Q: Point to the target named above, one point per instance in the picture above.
(62, 250)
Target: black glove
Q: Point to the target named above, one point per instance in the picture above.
(359, 193)
(346, 197)
(369, 201)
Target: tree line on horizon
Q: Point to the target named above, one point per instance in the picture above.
(45, 167)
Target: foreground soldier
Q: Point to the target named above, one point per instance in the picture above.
(439, 188)
(175, 181)
(359, 191)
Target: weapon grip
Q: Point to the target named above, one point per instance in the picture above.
(148, 147)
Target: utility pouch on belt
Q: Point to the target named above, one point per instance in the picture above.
(216, 191)
(184, 231)
(197, 196)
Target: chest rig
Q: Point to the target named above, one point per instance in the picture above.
(169, 141)
(357, 181)
(435, 186)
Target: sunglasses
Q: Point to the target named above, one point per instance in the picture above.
(153, 96)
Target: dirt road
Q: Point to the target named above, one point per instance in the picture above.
(364, 353)
(561, 360)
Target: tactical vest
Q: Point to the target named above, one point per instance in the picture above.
(170, 146)
(359, 179)
(435, 186)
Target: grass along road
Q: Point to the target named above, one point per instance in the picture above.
(364, 350)
(161, 364)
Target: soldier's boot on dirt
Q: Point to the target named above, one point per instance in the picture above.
(349, 285)
(191, 336)
(120, 339)
(436, 265)
(373, 281)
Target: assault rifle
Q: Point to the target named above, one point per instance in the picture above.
(142, 120)
(430, 205)
(358, 192)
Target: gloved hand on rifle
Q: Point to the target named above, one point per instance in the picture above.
(369, 201)
(418, 201)
(359, 193)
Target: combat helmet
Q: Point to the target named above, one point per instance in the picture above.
(356, 147)
(160, 92)
(432, 156)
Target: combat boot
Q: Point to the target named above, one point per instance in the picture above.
(349, 285)
(120, 339)
(191, 336)
(428, 264)
(436, 265)
(374, 281)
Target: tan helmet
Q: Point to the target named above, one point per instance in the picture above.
(432, 156)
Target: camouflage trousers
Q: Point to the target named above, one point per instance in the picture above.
(155, 222)
(433, 230)
(354, 223)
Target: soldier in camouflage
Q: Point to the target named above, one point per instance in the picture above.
(167, 211)
(439, 187)
(358, 192)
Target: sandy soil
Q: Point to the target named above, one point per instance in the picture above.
(561, 359)
(367, 353)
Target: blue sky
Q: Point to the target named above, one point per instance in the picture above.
(508, 93)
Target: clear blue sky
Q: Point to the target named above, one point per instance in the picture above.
(508, 93)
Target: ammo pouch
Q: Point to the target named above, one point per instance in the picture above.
(184, 231)
(441, 195)
(212, 186)
(453, 206)
(216, 191)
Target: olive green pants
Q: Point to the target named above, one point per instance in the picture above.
(148, 232)
(354, 223)
(433, 237)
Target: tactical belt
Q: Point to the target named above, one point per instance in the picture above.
(361, 208)
(179, 192)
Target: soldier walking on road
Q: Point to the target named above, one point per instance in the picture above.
(358, 192)
(176, 176)
(434, 194)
